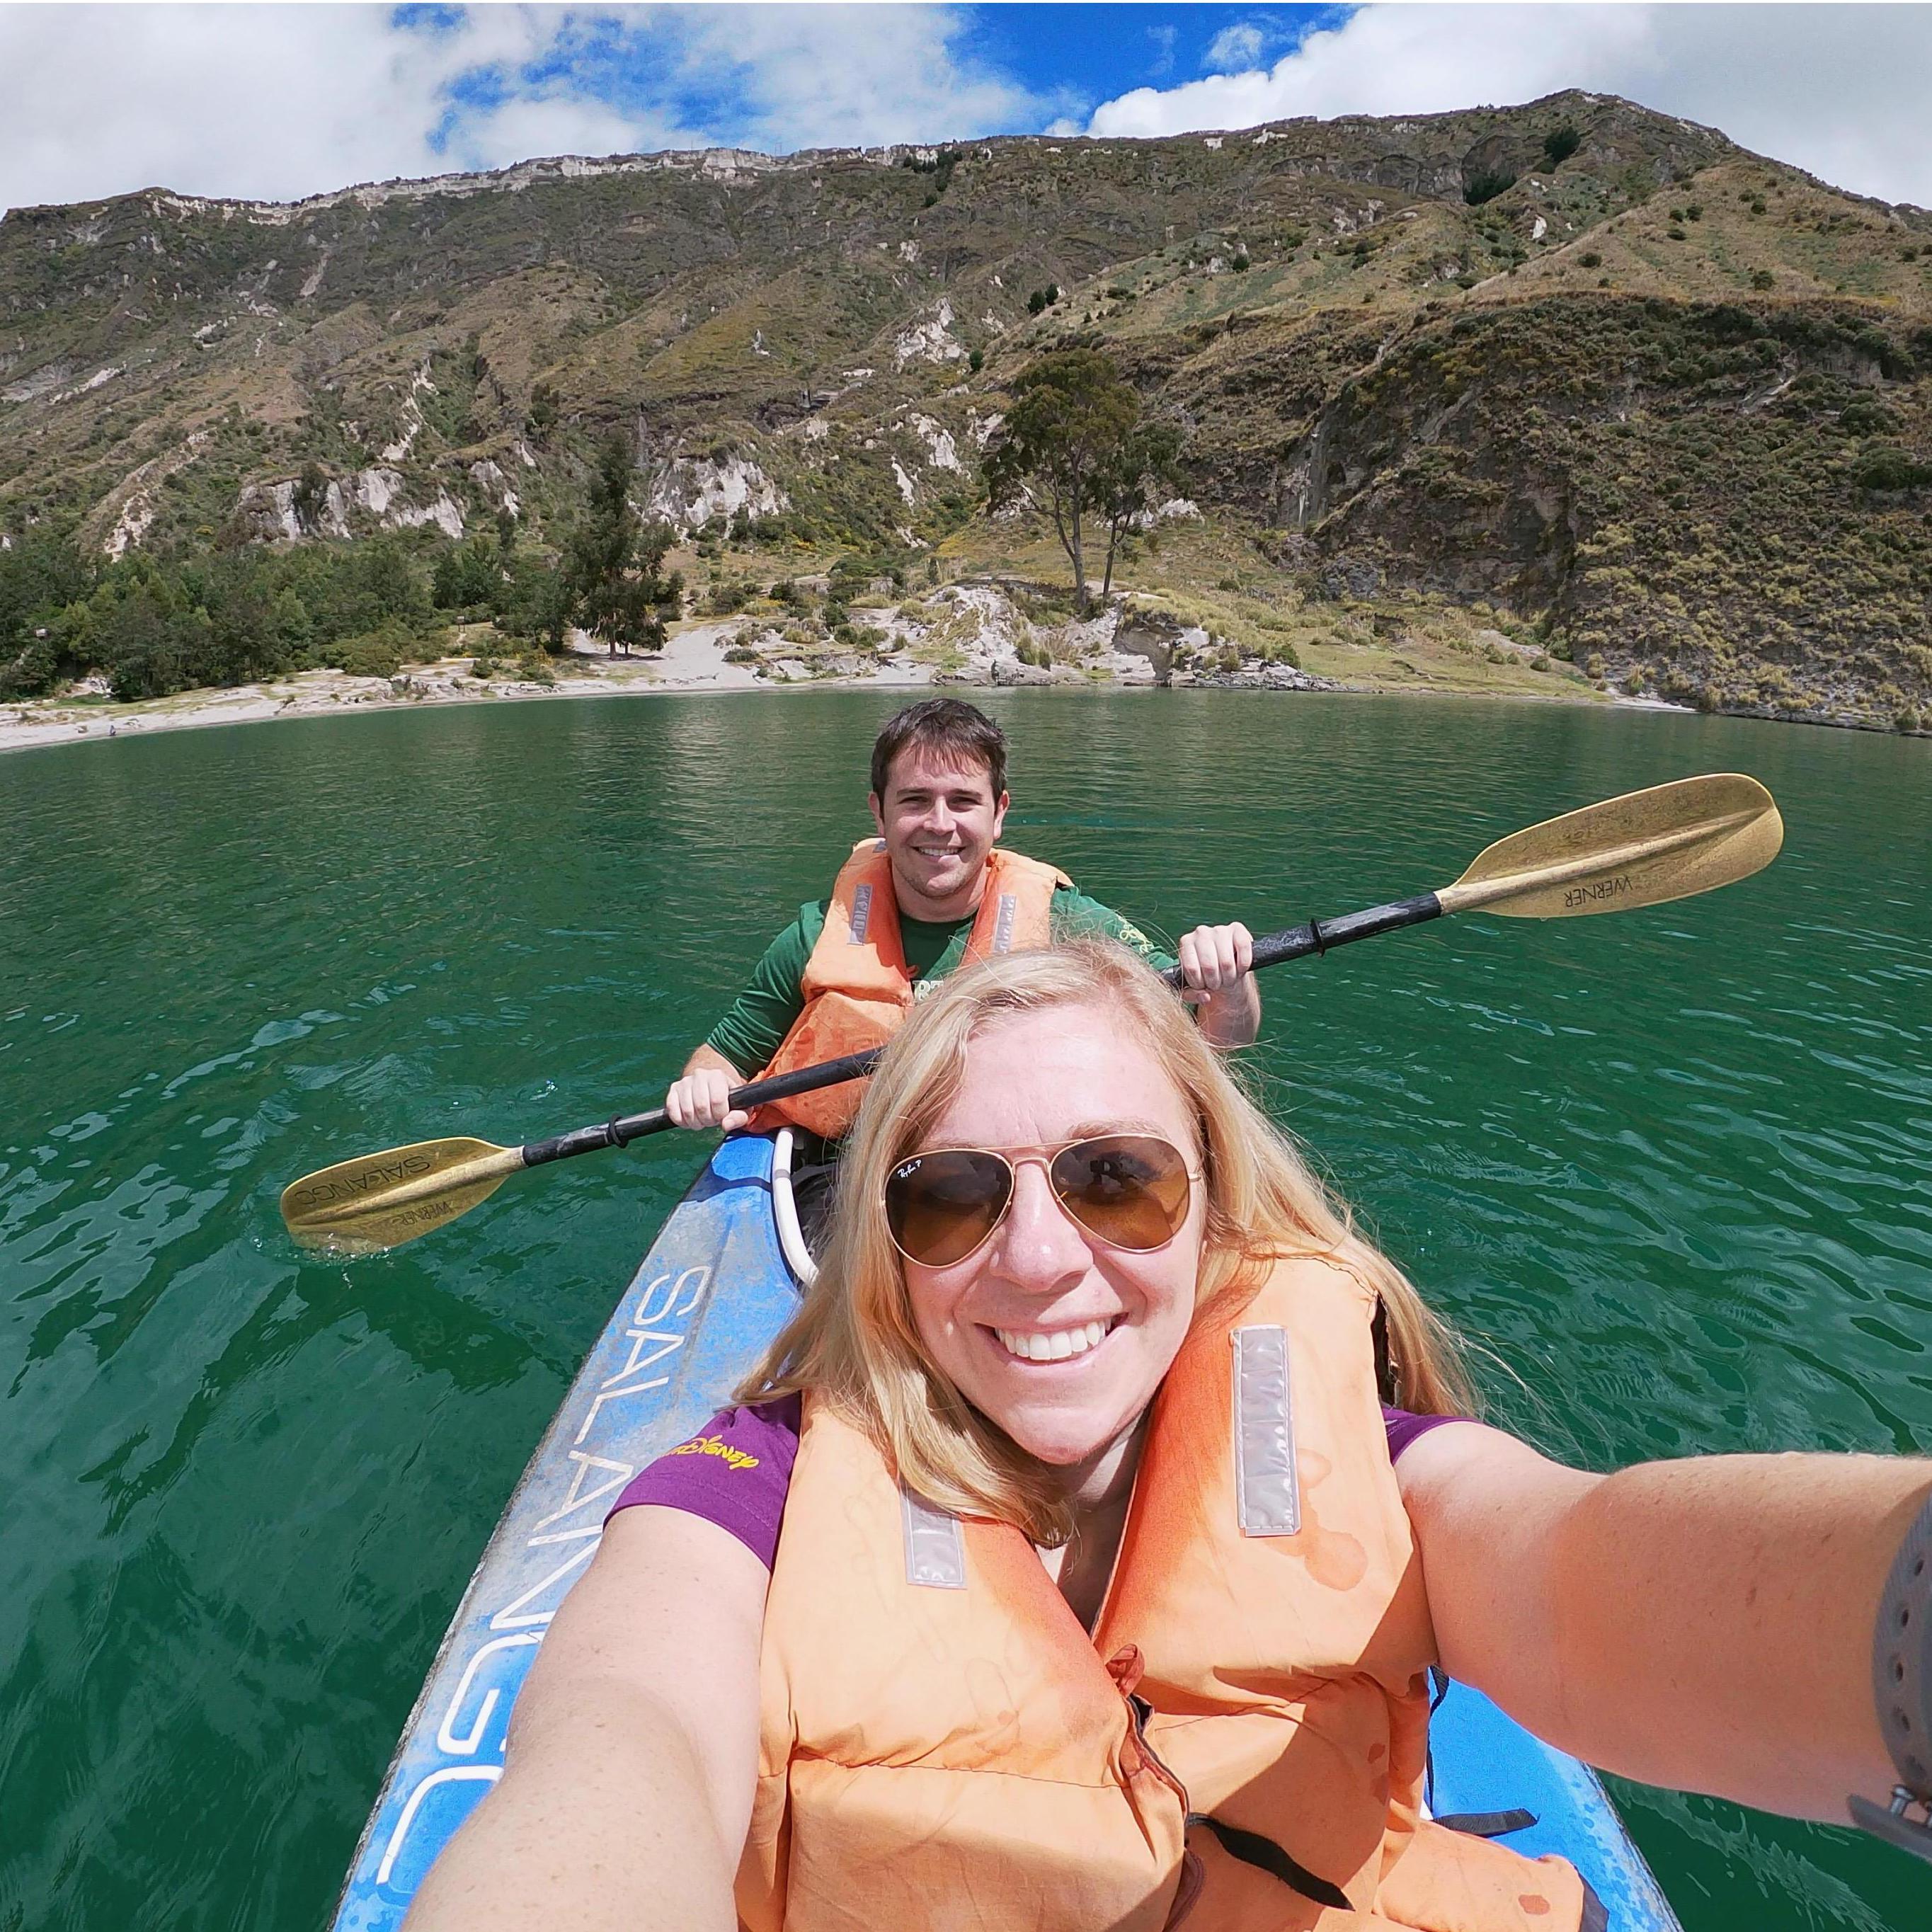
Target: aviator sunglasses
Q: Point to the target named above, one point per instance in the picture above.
(1130, 1191)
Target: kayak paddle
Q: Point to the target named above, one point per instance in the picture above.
(379, 1201)
(1641, 849)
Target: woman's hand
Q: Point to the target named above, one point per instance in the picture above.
(633, 1749)
(1705, 1625)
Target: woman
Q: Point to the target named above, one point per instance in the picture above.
(1099, 1601)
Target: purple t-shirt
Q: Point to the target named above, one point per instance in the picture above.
(736, 1471)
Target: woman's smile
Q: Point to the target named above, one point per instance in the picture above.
(1049, 1346)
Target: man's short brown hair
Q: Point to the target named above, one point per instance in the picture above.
(941, 724)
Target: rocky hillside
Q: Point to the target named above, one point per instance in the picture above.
(1658, 402)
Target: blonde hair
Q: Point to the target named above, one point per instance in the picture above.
(853, 1341)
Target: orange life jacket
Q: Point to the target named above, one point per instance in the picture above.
(857, 986)
(943, 1746)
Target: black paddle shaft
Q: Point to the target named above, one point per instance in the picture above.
(628, 1127)
(1323, 935)
(1318, 935)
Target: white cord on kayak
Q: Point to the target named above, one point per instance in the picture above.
(784, 1212)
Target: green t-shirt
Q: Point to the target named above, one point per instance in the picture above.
(762, 1015)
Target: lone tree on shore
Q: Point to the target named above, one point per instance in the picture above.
(1074, 431)
(611, 564)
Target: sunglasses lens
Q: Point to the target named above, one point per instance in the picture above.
(1130, 1190)
(940, 1207)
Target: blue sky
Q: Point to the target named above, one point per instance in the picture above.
(1097, 51)
(666, 65)
(1072, 56)
(273, 102)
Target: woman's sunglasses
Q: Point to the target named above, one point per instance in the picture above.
(1131, 1191)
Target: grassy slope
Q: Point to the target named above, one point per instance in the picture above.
(1627, 402)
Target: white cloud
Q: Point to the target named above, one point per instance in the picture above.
(1235, 48)
(276, 102)
(1840, 90)
(270, 102)
(810, 76)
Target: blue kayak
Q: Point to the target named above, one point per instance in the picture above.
(716, 1285)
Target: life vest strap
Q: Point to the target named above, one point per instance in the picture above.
(1486, 1824)
(1252, 1849)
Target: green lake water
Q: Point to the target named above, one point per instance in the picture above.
(1675, 1168)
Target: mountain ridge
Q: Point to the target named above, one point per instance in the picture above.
(1410, 351)
(727, 159)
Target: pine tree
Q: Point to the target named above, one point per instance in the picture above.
(611, 562)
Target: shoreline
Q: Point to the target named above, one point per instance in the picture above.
(692, 660)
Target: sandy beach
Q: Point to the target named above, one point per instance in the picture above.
(692, 660)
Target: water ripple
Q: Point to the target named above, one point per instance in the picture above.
(1671, 1169)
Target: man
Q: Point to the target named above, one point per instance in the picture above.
(907, 909)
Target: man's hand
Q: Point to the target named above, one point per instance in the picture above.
(1217, 962)
(701, 1097)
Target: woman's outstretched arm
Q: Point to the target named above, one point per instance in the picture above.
(633, 1750)
(1706, 1624)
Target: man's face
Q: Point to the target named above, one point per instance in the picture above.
(939, 819)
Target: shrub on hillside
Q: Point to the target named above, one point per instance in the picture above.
(1560, 143)
(1486, 186)
(1866, 416)
(1888, 467)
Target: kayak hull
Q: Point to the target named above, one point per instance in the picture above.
(708, 1296)
(1482, 1761)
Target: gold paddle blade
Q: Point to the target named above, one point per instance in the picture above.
(379, 1201)
(1643, 849)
